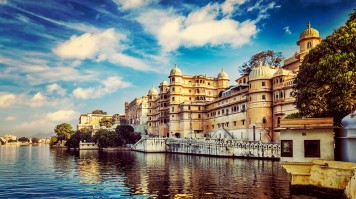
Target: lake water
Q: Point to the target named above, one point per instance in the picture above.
(41, 172)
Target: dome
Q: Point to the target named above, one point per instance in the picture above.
(164, 83)
(308, 33)
(281, 72)
(261, 72)
(223, 75)
(349, 121)
(176, 71)
(152, 91)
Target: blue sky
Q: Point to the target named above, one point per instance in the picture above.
(59, 59)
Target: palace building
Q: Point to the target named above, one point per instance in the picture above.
(200, 106)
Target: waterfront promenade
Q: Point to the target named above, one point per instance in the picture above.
(210, 147)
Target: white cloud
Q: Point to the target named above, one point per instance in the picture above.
(62, 116)
(38, 100)
(52, 88)
(10, 118)
(128, 4)
(287, 30)
(3, 1)
(7, 99)
(36, 124)
(229, 6)
(109, 85)
(105, 45)
(199, 28)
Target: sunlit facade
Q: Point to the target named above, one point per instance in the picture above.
(200, 106)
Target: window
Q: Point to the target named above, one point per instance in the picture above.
(263, 97)
(199, 116)
(287, 148)
(173, 79)
(172, 109)
(173, 89)
(235, 123)
(243, 122)
(212, 126)
(263, 84)
(172, 99)
(188, 107)
(312, 148)
(250, 85)
(309, 45)
(264, 120)
(278, 121)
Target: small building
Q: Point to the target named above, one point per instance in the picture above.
(88, 146)
(307, 139)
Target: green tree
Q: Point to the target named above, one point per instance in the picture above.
(63, 131)
(83, 135)
(53, 141)
(105, 122)
(105, 138)
(97, 111)
(35, 140)
(127, 134)
(24, 139)
(268, 58)
(326, 83)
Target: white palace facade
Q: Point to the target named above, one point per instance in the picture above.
(200, 106)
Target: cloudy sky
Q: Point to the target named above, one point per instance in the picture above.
(62, 58)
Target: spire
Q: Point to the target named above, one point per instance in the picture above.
(308, 25)
(175, 65)
(222, 69)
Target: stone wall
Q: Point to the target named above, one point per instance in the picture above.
(150, 145)
(326, 176)
(227, 148)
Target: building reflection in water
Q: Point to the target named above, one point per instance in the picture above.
(177, 175)
(88, 167)
(141, 175)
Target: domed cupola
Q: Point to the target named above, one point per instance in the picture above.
(308, 34)
(153, 91)
(261, 72)
(176, 71)
(223, 75)
(164, 83)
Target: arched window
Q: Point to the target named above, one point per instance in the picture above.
(309, 45)
(172, 99)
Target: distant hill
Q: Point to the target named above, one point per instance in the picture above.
(43, 135)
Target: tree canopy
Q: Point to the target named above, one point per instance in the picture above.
(35, 140)
(83, 135)
(105, 122)
(268, 57)
(326, 83)
(64, 131)
(127, 134)
(97, 111)
(24, 139)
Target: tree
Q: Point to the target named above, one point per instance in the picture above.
(105, 122)
(24, 139)
(105, 138)
(35, 140)
(53, 141)
(326, 83)
(268, 57)
(97, 111)
(83, 135)
(2, 142)
(127, 134)
(63, 131)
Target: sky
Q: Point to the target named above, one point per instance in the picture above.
(59, 59)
